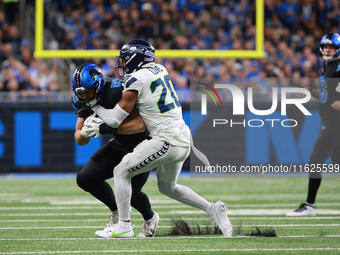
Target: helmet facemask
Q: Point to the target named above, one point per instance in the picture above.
(329, 58)
(332, 39)
(120, 67)
(81, 94)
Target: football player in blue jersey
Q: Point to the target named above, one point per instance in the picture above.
(327, 143)
(147, 86)
(91, 87)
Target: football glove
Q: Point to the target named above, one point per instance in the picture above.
(84, 132)
(80, 107)
(91, 127)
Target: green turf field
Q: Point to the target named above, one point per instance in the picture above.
(54, 216)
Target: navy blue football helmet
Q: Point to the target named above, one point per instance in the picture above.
(133, 56)
(330, 39)
(85, 77)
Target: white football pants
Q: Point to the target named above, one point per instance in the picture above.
(148, 155)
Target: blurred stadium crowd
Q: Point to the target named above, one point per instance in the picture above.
(293, 30)
(19, 70)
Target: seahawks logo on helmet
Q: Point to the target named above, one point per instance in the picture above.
(133, 56)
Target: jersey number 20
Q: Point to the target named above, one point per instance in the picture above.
(166, 87)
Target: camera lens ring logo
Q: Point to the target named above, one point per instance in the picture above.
(204, 97)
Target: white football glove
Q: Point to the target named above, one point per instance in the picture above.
(91, 127)
(84, 132)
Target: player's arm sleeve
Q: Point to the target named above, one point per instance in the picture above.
(133, 124)
(111, 117)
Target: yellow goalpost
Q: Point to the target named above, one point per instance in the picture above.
(40, 52)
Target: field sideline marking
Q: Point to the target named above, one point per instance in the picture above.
(256, 225)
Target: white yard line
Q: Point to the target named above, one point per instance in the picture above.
(231, 212)
(157, 199)
(255, 212)
(175, 251)
(99, 227)
(155, 204)
(186, 219)
(158, 237)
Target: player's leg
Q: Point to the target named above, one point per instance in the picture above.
(99, 168)
(318, 155)
(324, 146)
(146, 156)
(336, 156)
(92, 176)
(167, 175)
(139, 200)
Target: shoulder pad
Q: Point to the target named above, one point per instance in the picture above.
(128, 80)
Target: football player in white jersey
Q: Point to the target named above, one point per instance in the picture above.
(149, 88)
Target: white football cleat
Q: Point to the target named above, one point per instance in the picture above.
(303, 210)
(220, 217)
(149, 227)
(122, 230)
(107, 231)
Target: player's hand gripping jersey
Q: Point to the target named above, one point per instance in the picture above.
(158, 104)
(113, 93)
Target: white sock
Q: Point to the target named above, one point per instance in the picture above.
(123, 192)
(125, 225)
(310, 204)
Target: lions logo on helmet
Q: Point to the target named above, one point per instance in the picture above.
(133, 56)
(87, 76)
(330, 39)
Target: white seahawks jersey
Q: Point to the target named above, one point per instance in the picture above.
(158, 104)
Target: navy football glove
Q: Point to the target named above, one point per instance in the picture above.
(81, 108)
